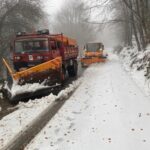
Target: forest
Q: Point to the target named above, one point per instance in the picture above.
(83, 20)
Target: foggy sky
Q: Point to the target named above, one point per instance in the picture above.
(108, 35)
(52, 6)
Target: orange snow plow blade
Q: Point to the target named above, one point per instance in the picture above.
(93, 57)
(48, 74)
(54, 64)
(87, 61)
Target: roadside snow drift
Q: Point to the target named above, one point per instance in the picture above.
(19, 120)
(108, 112)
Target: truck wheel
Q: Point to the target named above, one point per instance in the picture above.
(73, 69)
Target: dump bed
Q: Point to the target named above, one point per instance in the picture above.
(69, 48)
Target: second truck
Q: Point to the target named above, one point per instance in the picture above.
(93, 53)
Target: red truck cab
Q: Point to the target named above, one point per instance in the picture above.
(36, 48)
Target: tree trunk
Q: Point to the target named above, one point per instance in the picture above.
(134, 27)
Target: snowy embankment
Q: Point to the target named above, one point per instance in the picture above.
(19, 120)
(136, 64)
(108, 111)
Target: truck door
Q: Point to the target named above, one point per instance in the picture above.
(54, 49)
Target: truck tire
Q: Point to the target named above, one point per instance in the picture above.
(73, 69)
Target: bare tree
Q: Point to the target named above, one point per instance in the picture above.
(131, 15)
(72, 20)
(16, 15)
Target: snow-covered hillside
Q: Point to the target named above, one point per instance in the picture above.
(138, 66)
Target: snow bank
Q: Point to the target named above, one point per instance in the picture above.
(66, 92)
(15, 122)
(136, 64)
(17, 89)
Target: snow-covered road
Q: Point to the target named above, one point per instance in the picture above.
(108, 111)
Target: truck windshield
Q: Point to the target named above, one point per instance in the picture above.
(93, 47)
(30, 45)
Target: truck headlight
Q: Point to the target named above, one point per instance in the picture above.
(17, 57)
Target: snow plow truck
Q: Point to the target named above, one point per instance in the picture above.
(93, 53)
(42, 58)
